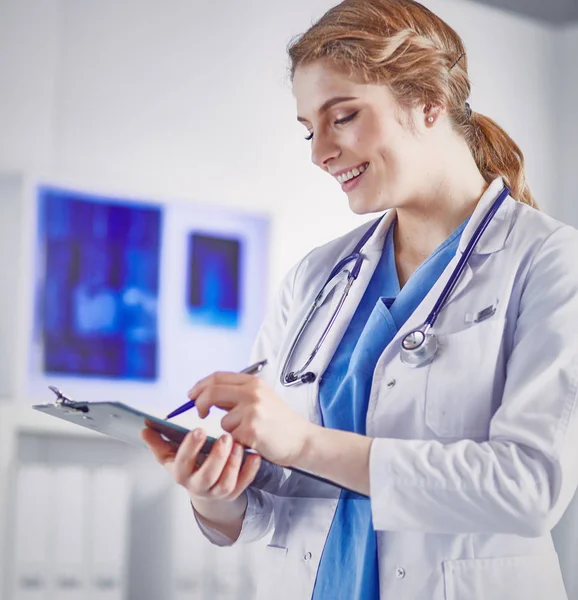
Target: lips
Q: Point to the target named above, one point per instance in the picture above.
(351, 184)
(350, 174)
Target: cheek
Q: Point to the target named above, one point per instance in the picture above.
(400, 156)
(362, 138)
(389, 161)
(379, 147)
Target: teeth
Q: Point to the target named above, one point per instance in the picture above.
(355, 172)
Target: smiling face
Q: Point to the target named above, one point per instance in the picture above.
(377, 151)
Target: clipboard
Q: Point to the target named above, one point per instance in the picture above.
(124, 423)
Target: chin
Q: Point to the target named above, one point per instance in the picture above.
(361, 205)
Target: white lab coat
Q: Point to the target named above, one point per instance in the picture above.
(475, 456)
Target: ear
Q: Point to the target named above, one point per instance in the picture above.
(431, 114)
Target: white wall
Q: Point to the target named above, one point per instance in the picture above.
(566, 108)
(190, 100)
(29, 55)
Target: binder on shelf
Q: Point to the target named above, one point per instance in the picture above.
(108, 532)
(189, 550)
(69, 533)
(31, 519)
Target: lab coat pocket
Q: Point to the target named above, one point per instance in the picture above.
(535, 577)
(464, 381)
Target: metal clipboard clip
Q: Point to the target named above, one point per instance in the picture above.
(66, 403)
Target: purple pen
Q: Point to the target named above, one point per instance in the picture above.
(250, 370)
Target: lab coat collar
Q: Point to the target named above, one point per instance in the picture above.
(494, 237)
(377, 240)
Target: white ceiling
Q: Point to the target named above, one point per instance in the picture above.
(556, 12)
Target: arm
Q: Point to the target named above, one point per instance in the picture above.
(522, 479)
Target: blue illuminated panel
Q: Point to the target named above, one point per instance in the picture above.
(99, 285)
(213, 288)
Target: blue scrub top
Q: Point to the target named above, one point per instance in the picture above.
(349, 567)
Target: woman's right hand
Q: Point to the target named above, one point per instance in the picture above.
(216, 488)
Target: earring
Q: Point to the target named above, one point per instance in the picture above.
(430, 119)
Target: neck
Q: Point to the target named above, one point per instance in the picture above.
(425, 222)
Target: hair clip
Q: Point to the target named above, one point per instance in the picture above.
(458, 60)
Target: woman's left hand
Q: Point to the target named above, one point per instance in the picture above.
(257, 417)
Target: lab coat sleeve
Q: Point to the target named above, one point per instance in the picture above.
(256, 523)
(522, 479)
(258, 520)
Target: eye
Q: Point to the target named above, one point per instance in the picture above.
(346, 119)
(342, 121)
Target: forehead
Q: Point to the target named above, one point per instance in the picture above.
(319, 82)
(320, 75)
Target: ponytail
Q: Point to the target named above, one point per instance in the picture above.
(496, 153)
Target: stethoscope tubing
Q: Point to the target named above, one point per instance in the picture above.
(300, 376)
(464, 258)
(295, 377)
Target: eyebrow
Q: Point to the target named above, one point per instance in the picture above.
(327, 105)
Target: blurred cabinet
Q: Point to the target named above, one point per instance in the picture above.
(67, 526)
(88, 518)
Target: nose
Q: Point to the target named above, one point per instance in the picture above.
(323, 150)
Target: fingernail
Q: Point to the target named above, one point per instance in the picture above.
(198, 434)
(226, 439)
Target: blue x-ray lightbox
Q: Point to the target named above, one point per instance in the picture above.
(214, 279)
(100, 285)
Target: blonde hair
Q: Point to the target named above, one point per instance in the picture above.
(402, 44)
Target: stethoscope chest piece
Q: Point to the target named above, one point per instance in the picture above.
(418, 348)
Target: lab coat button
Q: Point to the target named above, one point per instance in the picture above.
(400, 573)
(307, 556)
(391, 383)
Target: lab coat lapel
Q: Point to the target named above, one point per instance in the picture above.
(492, 240)
(372, 253)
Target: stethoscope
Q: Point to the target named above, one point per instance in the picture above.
(418, 347)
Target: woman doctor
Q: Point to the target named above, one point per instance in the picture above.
(460, 462)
